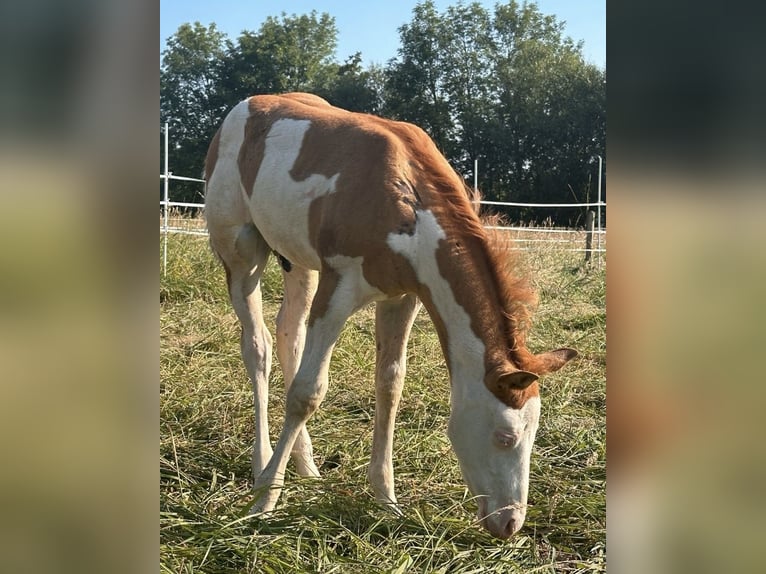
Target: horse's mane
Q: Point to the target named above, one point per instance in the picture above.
(517, 296)
(461, 215)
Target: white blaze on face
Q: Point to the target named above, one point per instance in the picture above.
(279, 205)
(492, 441)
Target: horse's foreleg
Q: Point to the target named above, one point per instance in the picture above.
(393, 322)
(300, 286)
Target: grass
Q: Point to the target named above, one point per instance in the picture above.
(334, 524)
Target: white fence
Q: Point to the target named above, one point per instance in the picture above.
(524, 235)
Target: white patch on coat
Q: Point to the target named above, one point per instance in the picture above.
(351, 293)
(420, 250)
(224, 202)
(352, 286)
(279, 205)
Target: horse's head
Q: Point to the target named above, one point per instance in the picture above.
(492, 428)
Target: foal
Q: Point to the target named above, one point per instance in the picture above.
(361, 209)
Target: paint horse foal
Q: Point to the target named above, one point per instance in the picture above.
(375, 209)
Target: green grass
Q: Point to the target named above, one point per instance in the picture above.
(333, 524)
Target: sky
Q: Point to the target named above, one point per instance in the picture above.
(371, 27)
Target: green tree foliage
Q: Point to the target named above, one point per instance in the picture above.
(414, 88)
(287, 54)
(552, 110)
(503, 87)
(190, 100)
(353, 88)
(508, 89)
(467, 58)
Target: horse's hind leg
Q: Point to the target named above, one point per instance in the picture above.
(393, 322)
(300, 287)
(339, 293)
(244, 254)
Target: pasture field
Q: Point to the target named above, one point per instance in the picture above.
(333, 524)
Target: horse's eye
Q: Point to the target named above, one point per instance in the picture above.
(505, 439)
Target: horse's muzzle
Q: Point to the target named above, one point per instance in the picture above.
(501, 523)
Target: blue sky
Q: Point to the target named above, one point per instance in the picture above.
(371, 27)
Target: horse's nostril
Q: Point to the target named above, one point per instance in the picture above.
(510, 528)
(503, 523)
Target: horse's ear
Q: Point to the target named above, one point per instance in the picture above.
(515, 380)
(507, 384)
(554, 360)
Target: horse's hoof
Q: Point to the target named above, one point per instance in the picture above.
(392, 507)
(265, 500)
(262, 509)
(257, 512)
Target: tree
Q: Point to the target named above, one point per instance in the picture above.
(414, 88)
(287, 54)
(467, 59)
(189, 99)
(506, 88)
(552, 109)
(353, 88)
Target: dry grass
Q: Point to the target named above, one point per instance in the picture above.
(334, 525)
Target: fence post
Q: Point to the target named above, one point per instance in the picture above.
(590, 217)
(598, 240)
(165, 211)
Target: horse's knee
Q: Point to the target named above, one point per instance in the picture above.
(390, 380)
(305, 396)
(256, 346)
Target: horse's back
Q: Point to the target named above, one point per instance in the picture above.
(318, 181)
(282, 163)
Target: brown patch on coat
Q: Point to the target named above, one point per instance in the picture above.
(308, 99)
(323, 296)
(375, 176)
(251, 155)
(371, 179)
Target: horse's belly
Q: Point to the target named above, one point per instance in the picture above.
(283, 220)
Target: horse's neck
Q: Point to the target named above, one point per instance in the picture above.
(464, 334)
